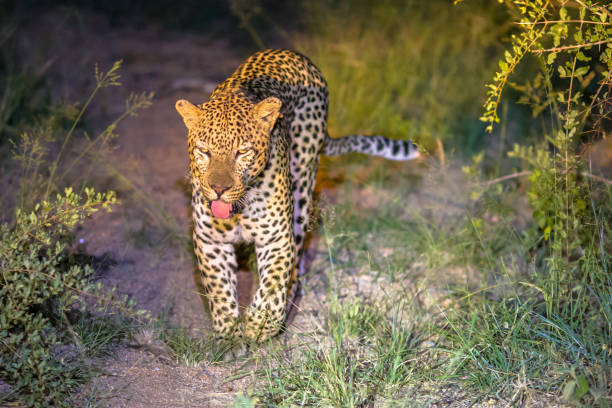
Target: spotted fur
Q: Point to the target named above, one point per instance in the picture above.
(255, 144)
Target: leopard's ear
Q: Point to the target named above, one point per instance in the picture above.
(188, 111)
(267, 111)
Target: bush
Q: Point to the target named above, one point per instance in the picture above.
(38, 286)
(560, 309)
(46, 327)
(572, 45)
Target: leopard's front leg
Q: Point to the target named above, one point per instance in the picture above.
(217, 264)
(275, 263)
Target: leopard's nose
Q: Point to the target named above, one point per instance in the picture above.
(220, 188)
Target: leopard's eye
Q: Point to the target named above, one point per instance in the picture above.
(202, 152)
(243, 151)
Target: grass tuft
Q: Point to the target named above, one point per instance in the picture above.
(409, 70)
(366, 355)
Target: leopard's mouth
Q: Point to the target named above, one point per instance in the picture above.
(218, 207)
(221, 209)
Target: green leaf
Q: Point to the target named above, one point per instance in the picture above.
(581, 71)
(547, 232)
(551, 58)
(561, 70)
(578, 37)
(581, 57)
(582, 387)
(563, 13)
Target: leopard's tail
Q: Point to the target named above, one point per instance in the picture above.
(374, 145)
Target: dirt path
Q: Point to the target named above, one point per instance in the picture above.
(157, 272)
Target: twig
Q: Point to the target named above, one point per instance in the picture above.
(598, 178)
(440, 151)
(571, 47)
(605, 81)
(502, 82)
(603, 9)
(508, 177)
(563, 21)
(527, 172)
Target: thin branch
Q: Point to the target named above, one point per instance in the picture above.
(502, 83)
(508, 177)
(527, 173)
(571, 47)
(603, 9)
(605, 81)
(440, 151)
(566, 148)
(66, 139)
(563, 21)
(598, 178)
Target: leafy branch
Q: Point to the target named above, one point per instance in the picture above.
(571, 47)
(550, 22)
(521, 46)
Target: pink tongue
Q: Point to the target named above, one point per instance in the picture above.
(220, 209)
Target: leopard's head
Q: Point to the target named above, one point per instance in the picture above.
(229, 141)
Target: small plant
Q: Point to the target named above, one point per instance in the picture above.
(38, 287)
(364, 359)
(192, 350)
(43, 172)
(53, 317)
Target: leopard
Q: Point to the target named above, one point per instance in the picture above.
(254, 151)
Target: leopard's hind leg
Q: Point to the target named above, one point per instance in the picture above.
(308, 132)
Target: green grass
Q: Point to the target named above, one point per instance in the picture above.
(487, 328)
(364, 357)
(188, 350)
(191, 350)
(411, 70)
(93, 334)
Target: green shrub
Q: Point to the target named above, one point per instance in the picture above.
(573, 46)
(38, 286)
(560, 307)
(49, 328)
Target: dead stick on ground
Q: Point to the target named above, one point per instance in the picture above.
(440, 151)
(526, 173)
(507, 177)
